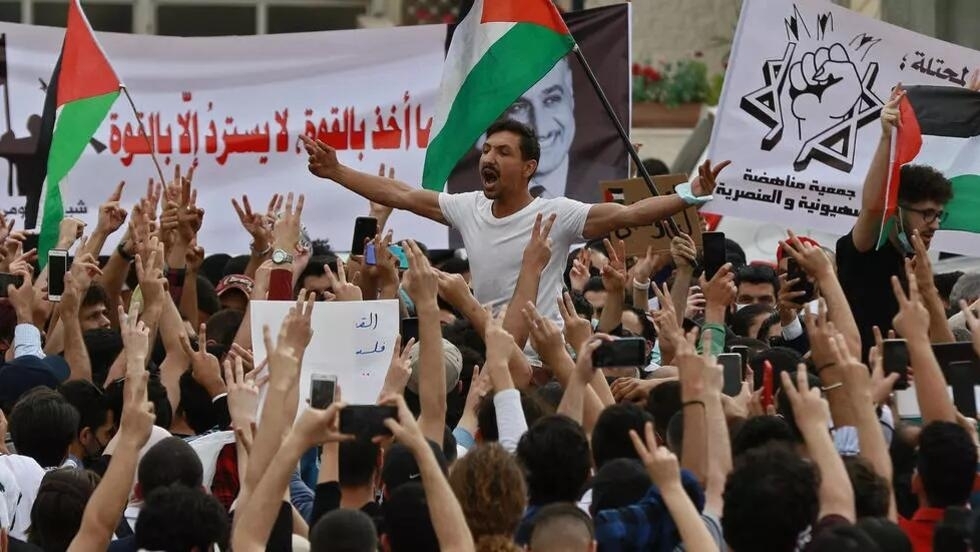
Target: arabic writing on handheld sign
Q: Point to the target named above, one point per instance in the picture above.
(394, 128)
(370, 323)
(775, 196)
(948, 74)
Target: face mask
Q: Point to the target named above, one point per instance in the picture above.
(740, 306)
(595, 323)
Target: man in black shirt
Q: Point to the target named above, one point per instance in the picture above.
(865, 272)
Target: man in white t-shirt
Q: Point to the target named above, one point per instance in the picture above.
(496, 223)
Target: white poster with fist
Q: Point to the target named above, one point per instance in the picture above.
(799, 113)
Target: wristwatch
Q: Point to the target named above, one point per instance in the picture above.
(279, 256)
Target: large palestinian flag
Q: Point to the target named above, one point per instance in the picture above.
(82, 90)
(500, 49)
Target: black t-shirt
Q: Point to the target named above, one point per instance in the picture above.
(866, 279)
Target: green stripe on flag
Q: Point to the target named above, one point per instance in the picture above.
(76, 124)
(509, 68)
(964, 209)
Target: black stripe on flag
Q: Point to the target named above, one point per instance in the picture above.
(946, 110)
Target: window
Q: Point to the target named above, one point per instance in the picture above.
(198, 20)
(115, 18)
(298, 19)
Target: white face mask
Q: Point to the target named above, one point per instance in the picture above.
(595, 323)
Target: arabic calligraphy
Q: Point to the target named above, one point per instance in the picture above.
(791, 182)
(934, 68)
(369, 322)
(789, 203)
(378, 348)
(196, 131)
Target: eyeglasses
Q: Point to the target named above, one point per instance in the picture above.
(928, 215)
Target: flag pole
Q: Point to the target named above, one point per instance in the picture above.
(143, 132)
(671, 225)
(6, 108)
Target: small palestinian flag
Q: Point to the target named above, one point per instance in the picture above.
(500, 49)
(941, 129)
(615, 195)
(82, 90)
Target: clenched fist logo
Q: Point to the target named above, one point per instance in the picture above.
(824, 85)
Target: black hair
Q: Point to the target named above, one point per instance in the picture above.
(181, 518)
(842, 538)
(767, 325)
(236, 265)
(103, 346)
(872, 493)
(649, 331)
(407, 522)
(317, 267)
(171, 461)
(743, 319)
(223, 325)
(611, 437)
(344, 530)
(655, 167)
(947, 464)
(923, 183)
(594, 284)
(952, 533)
(530, 148)
(758, 431)
(582, 306)
(555, 455)
(42, 425)
(663, 401)
(58, 508)
(735, 254)
(461, 333)
(357, 461)
(886, 534)
(95, 295)
(88, 400)
(455, 265)
(207, 298)
(783, 359)
(619, 483)
(550, 394)
(486, 414)
(757, 274)
(213, 267)
(196, 404)
(155, 391)
(769, 485)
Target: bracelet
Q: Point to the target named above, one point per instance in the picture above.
(642, 286)
(692, 403)
(122, 253)
(262, 253)
(832, 386)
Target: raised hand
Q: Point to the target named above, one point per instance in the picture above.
(258, 225)
(683, 251)
(295, 333)
(342, 289)
(890, 115)
(811, 411)
(577, 329)
(454, 289)
(972, 323)
(22, 297)
(287, 229)
(316, 426)
(614, 273)
(661, 464)
(322, 159)
(546, 337)
(720, 291)
(405, 429)
(704, 184)
(912, 320)
(399, 370)
(69, 231)
(421, 282)
(111, 215)
(647, 265)
(498, 340)
(243, 394)
(204, 366)
(811, 259)
(135, 335)
(580, 274)
(537, 253)
(194, 257)
(136, 422)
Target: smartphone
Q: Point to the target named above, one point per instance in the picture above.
(57, 266)
(399, 253)
(767, 382)
(370, 258)
(366, 420)
(793, 271)
(628, 351)
(365, 228)
(895, 360)
(9, 279)
(409, 330)
(960, 377)
(322, 389)
(731, 365)
(714, 252)
(744, 352)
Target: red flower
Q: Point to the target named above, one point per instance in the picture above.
(637, 69)
(651, 74)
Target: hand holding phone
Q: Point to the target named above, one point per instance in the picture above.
(895, 360)
(365, 228)
(731, 365)
(767, 383)
(366, 420)
(794, 272)
(323, 389)
(6, 280)
(714, 253)
(628, 351)
(57, 266)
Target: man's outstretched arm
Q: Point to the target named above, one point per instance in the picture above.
(605, 218)
(378, 189)
(865, 232)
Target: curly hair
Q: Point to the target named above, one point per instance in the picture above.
(490, 487)
(921, 183)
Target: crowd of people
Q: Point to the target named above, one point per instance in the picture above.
(132, 404)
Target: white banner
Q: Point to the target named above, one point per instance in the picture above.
(799, 112)
(351, 340)
(235, 107)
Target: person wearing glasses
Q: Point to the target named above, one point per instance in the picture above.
(865, 267)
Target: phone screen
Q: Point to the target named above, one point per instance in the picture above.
(366, 420)
(370, 257)
(960, 377)
(895, 360)
(57, 266)
(322, 389)
(742, 351)
(399, 253)
(793, 271)
(409, 330)
(714, 252)
(630, 351)
(365, 228)
(731, 364)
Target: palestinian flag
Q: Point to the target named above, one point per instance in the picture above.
(941, 129)
(499, 50)
(82, 90)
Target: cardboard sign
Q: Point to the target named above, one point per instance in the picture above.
(628, 192)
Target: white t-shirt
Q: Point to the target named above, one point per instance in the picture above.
(495, 246)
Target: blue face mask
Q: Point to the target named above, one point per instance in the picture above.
(904, 241)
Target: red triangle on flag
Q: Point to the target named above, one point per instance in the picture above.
(908, 142)
(540, 12)
(85, 70)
